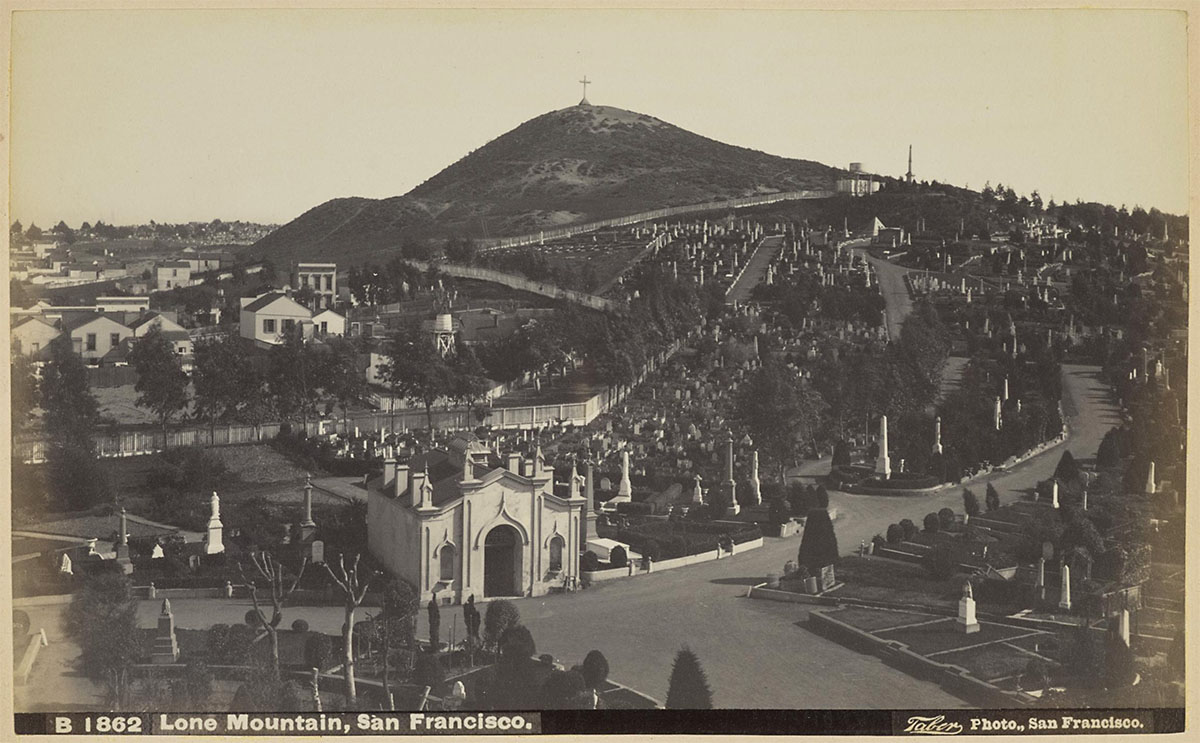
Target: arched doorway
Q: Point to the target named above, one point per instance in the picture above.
(502, 562)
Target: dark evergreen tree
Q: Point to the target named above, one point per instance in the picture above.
(992, 497)
(1068, 470)
(818, 545)
(435, 624)
(688, 687)
(595, 669)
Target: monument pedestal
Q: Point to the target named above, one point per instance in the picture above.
(967, 624)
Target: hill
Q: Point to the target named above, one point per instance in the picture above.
(572, 165)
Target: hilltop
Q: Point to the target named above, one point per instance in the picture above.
(573, 165)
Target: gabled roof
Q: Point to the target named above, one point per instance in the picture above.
(76, 322)
(269, 299)
(38, 320)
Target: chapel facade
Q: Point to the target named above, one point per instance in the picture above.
(461, 521)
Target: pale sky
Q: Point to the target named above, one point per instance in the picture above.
(129, 116)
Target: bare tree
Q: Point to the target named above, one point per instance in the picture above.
(271, 570)
(354, 590)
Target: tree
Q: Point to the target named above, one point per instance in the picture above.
(102, 618)
(617, 557)
(939, 561)
(992, 497)
(271, 571)
(435, 624)
(162, 383)
(353, 586)
(818, 545)
(345, 380)
(292, 379)
(688, 687)
(945, 518)
(909, 528)
(222, 379)
(415, 370)
(895, 534)
(970, 503)
(24, 395)
(76, 477)
(781, 411)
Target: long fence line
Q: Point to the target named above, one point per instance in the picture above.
(129, 443)
(521, 283)
(672, 211)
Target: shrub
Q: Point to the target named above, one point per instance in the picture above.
(516, 645)
(228, 645)
(21, 623)
(563, 690)
(939, 562)
(652, 549)
(251, 618)
(992, 497)
(909, 528)
(878, 541)
(317, 649)
(945, 518)
(428, 671)
(931, 523)
(1068, 470)
(818, 546)
(299, 626)
(635, 509)
(595, 669)
(589, 562)
(841, 454)
(499, 618)
(895, 534)
(618, 558)
(778, 511)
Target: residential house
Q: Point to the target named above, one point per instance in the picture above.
(172, 331)
(269, 318)
(321, 279)
(203, 262)
(32, 336)
(84, 272)
(98, 338)
(122, 304)
(328, 322)
(172, 274)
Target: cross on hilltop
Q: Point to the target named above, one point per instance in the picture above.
(585, 82)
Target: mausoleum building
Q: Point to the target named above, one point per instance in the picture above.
(461, 522)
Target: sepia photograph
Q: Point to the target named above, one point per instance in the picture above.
(511, 371)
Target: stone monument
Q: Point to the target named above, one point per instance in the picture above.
(123, 545)
(213, 543)
(1064, 601)
(966, 622)
(883, 464)
(166, 648)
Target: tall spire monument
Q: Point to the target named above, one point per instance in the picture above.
(908, 177)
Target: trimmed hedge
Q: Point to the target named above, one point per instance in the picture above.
(692, 538)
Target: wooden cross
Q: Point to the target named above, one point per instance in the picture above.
(585, 82)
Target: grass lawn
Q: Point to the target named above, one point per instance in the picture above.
(945, 635)
(876, 579)
(878, 619)
(991, 662)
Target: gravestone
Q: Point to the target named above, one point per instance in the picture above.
(318, 552)
(605, 483)
(166, 647)
(157, 552)
(828, 579)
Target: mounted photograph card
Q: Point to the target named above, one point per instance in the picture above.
(404, 370)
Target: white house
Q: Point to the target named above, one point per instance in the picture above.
(32, 336)
(97, 337)
(172, 274)
(321, 278)
(269, 318)
(461, 522)
(172, 331)
(328, 322)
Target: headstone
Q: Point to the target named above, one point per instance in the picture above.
(64, 565)
(1054, 493)
(1064, 601)
(828, 579)
(605, 484)
(1123, 626)
(157, 552)
(318, 552)
(966, 622)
